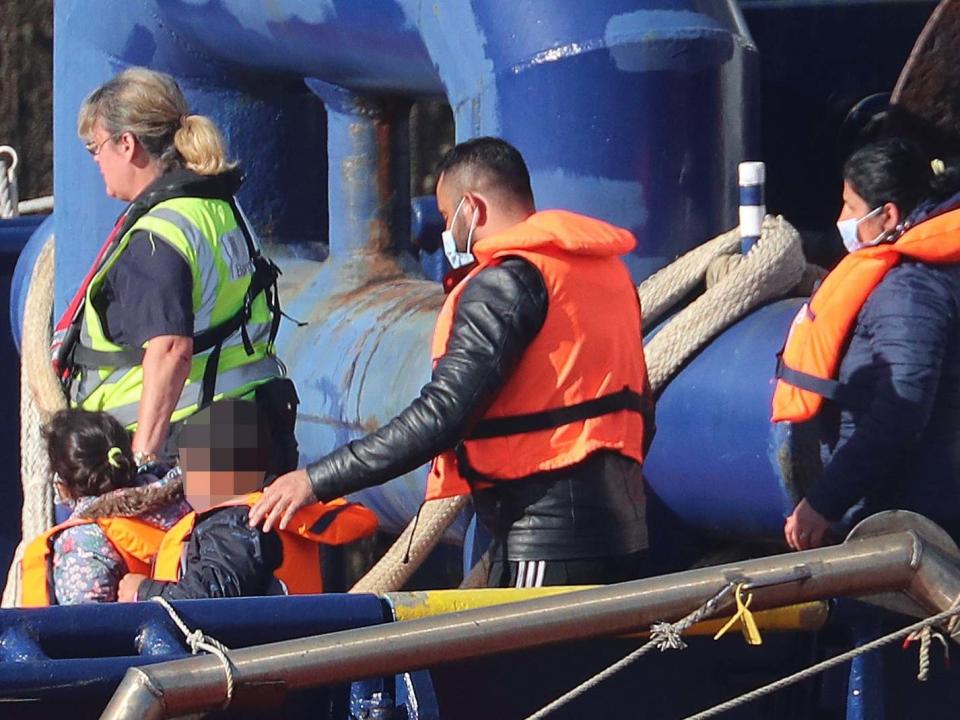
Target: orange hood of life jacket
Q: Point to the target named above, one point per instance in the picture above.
(810, 360)
(581, 385)
(136, 541)
(334, 523)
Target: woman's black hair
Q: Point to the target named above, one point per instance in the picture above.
(79, 447)
(900, 171)
(891, 170)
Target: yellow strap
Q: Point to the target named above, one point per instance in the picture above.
(747, 624)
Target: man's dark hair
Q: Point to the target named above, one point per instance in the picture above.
(488, 162)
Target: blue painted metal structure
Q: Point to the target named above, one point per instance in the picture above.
(596, 97)
(636, 111)
(721, 403)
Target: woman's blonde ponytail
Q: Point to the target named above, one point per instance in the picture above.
(150, 105)
(201, 146)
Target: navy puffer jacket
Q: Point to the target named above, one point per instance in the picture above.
(901, 449)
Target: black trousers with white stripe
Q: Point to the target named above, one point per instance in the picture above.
(584, 571)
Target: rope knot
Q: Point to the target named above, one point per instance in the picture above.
(194, 640)
(926, 635)
(197, 640)
(666, 637)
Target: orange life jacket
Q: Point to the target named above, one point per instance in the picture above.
(333, 523)
(581, 385)
(810, 360)
(135, 540)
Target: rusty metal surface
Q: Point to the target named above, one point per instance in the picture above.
(928, 88)
(363, 356)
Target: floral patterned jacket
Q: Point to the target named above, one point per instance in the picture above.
(86, 566)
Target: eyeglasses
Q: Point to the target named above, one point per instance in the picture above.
(94, 148)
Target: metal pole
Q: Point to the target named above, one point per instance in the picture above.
(858, 567)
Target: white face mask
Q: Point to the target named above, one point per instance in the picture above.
(58, 496)
(849, 231)
(455, 257)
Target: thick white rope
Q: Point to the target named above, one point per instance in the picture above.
(8, 182)
(197, 640)
(663, 636)
(399, 563)
(773, 267)
(926, 636)
(40, 397)
(43, 204)
(826, 664)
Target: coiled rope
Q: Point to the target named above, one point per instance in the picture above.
(8, 182)
(736, 284)
(40, 397)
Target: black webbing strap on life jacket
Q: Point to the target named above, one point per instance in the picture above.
(840, 393)
(264, 280)
(625, 399)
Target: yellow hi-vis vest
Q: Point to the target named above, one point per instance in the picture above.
(206, 233)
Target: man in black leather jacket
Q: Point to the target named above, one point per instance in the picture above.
(582, 523)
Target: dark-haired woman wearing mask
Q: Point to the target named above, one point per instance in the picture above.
(874, 356)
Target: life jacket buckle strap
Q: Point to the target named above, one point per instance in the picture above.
(843, 394)
(625, 399)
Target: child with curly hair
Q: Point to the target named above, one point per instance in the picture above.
(119, 513)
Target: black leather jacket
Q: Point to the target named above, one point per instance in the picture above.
(592, 509)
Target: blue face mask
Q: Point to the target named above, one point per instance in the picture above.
(455, 256)
(850, 232)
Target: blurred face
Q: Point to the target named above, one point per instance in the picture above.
(113, 155)
(205, 487)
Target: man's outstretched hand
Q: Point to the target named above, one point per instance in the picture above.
(281, 499)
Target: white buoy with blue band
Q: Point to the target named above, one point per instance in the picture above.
(752, 176)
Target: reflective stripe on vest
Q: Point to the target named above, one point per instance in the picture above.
(814, 348)
(334, 523)
(136, 541)
(243, 379)
(206, 234)
(582, 358)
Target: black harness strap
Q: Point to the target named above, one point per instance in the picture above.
(840, 393)
(625, 399)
